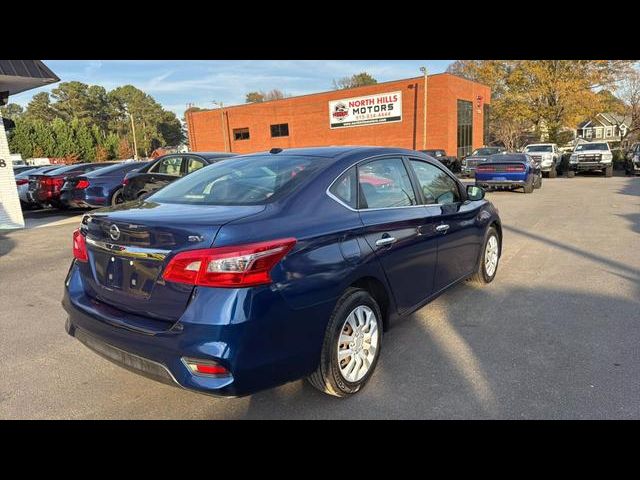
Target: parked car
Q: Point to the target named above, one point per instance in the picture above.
(509, 171)
(44, 189)
(547, 155)
(451, 163)
(23, 168)
(22, 182)
(276, 266)
(99, 188)
(477, 157)
(167, 169)
(593, 156)
(632, 160)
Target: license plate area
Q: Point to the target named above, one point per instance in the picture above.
(130, 277)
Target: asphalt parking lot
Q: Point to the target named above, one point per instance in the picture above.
(556, 335)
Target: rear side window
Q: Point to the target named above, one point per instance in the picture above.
(251, 180)
(437, 187)
(194, 164)
(385, 184)
(345, 188)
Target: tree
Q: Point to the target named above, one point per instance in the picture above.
(629, 92)
(124, 149)
(40, 108)
(255, 97)
(102, 154)
(546, 95)
(357, 80)
(12, 111)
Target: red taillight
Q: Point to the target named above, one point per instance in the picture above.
(206, 367)
(239, 266)
(52, 182)
(485, 168)
(79, 246)
(515, 168)
(125, 181)
(82, 184)
(22, 181)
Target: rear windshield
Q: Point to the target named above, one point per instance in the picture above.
(117, 168)
(63, 169)
(486, 151)
(592, 146)
(538, 148)
(242, 181)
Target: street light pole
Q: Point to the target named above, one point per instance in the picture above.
(135, 143)
(224, 134)
(424, 119)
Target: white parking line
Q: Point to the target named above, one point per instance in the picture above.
(47, 223)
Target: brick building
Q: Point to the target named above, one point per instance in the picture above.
(386, 114)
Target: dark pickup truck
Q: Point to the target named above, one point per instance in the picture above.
(451, 163)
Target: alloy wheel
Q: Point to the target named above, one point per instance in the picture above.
(358, 343)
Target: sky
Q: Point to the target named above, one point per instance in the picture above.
(175, 83)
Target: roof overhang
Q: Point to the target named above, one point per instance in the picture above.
(17, 76)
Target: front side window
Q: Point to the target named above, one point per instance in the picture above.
(168, 166)
(345, 188)
(280, 130)
(253, 180)
(437, 187)
(385, 183)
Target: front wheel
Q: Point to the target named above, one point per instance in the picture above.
(488, 265)
(608, 172)
(571, 173)
(538, 182)
(351, 346)
(553, 173)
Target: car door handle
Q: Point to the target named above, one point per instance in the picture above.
(381, 242)
(442, 228)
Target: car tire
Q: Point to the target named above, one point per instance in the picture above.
(571, 173)
(332, 375)
(117, 198)
(485, 273)
(553, 173)
(528, 187)
(608, 172)
(538, 183)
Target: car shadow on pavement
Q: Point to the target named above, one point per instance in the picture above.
(516, 353)
(6, 244)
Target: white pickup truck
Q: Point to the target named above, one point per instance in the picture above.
(547, 155)
(591, 156)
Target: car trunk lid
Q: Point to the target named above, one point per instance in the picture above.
(130, 246)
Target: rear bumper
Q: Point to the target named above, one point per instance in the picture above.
(500, 183)
(77, 199)
(255, 335)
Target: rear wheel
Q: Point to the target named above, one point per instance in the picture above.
(528, 187)
(608, 172)
(538, 182)
(351, 346)
(488, 265)
(117, 198)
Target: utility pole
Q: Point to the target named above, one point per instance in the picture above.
(424, 120)
(133, 131)
(224, 134)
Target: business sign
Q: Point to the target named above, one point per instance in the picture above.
(368, 110)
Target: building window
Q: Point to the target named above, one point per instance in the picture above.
(465, 128)
(588, 133)
(598, 132)
(241, 134)
(609, 132)
(280, 130)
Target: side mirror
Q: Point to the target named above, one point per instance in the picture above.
(475, 193)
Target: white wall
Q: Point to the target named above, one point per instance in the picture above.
(10, 211)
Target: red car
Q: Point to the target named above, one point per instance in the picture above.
(45, 189)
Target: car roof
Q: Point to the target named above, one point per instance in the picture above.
(340, 152)
(207, 155)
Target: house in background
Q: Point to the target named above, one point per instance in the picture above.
(607, 127)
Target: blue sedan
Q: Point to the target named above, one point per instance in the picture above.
(509, 171)
(270, 267)
(99, 188)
